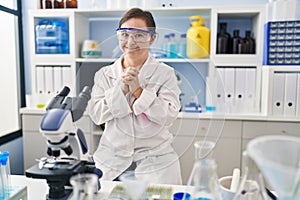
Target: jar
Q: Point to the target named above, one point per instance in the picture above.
(59, 4)
(71, 3)
(48, 4)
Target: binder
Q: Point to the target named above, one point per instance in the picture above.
(40, 80)
(298, 96)
(278, 94)
(66, 76)
(220, 92)
(240, 87)
(229, 85)
(250, 89)
(289, 108)
(57, 75)
(49, 81)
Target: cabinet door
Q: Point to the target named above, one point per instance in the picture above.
(227, 151)
(256, 129)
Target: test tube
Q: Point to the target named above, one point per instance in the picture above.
(5, 173)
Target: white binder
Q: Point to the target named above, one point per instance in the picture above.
(298, 96)
(66, 77)
(40, 80)
(220, 91)
(57, 73)
(49, 81)
(278, 93)
(229, 85)
(289, 108)
(240, 87)
(250, 90)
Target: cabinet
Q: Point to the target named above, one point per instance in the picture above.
(35, 144)
(226, 134)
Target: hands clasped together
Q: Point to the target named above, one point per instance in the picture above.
(130, 80)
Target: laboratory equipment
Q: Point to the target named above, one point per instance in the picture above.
(198, 39)
(223, 40)
(134, 185)
(278, 158)
(59, 128)
(252, 184)
(203, 180)
(85, 186)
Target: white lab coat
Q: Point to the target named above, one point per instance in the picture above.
(136, 130)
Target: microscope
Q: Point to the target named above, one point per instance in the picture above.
(64, 140)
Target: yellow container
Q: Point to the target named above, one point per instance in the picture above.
(198, 39)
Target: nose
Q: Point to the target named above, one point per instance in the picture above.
(131, 39)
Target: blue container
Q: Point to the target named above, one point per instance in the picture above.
(52, 36)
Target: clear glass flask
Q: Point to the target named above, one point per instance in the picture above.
(203, 181)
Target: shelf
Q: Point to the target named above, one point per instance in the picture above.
(180, 11)
(236, 59)
(167, 60)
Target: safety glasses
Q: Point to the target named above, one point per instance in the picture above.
(138, 35)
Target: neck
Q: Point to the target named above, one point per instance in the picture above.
(134, 60)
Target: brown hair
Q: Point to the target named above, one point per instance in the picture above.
(141, 14)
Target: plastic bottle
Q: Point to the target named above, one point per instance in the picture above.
(198, 39)
(204, 179)
(172, 46)
(251, 186)
(236, 40)
(250, 43)
(182, 46)
(223, 40)
(165, 46)
(4, 174)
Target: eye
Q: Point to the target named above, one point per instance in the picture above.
(124, 34)
(139, 35)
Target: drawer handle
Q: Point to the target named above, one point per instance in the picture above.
(283, 131)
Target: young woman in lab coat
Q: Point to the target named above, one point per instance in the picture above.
(137, 98)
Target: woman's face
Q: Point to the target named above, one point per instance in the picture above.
(135, 42)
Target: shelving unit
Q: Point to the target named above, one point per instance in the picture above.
(100, 25)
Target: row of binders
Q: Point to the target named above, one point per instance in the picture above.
(51, 79)
(232, 90)
(286, 94)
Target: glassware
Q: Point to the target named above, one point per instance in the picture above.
(203, 181)
(85, 186)
(252, 185)
(134, 186)
(236, 40)
(223, 40)
(278, 158)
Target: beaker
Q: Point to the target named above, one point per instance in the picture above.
(85, 186)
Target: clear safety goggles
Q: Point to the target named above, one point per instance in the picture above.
(138, 35)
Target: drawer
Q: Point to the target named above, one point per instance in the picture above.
(255, 129)
(31, 122)
(202, 127)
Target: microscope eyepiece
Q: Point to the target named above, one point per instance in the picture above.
(64, 92)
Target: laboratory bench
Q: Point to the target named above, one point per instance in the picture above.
(232, 132)
(38, 188)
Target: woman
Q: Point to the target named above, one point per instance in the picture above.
(138, 99)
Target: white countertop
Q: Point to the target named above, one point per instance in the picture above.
(38, 188)
(205, 115)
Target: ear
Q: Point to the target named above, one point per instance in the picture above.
(153, 37)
